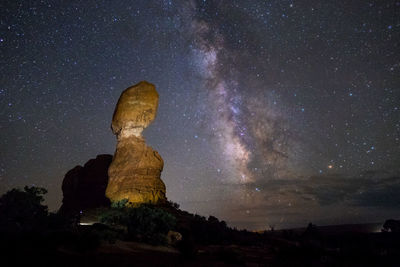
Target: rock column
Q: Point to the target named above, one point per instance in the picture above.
(135, 170)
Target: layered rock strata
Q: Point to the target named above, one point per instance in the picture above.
(135, 170)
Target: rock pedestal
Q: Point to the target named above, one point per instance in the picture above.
(135, 170)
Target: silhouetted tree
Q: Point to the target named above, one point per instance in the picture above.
(391, 226)
(23, 210)
(311, 231)
(272, 227)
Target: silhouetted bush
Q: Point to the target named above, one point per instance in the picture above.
(120, 204)
(114, 217)
(145, 222)
(106, 233)
(173, 204)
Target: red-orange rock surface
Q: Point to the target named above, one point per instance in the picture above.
(135, 171)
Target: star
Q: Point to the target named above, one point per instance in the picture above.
(233, 95)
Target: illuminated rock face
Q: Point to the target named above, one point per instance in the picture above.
(135, 170)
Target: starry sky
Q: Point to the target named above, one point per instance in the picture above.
(271, 113)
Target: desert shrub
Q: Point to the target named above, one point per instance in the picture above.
(106, 233)
(207, 231)
(145, 222)
(113, 216)
(120, 204)
(116, 215)
(150, 223)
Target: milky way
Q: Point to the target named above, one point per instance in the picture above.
(271, 112)
(245, 127)
(224, 105)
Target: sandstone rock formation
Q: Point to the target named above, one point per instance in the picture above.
(84, 187)
(135, 171)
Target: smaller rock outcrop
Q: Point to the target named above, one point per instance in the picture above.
(84, 187)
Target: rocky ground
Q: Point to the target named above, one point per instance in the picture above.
(277, 249)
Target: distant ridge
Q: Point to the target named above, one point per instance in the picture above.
(343, 228)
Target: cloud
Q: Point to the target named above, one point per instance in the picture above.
(369, 189)
(295, 201)
(385, 193)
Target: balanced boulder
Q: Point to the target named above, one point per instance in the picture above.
(135, 170)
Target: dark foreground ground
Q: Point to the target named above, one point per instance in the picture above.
(334, 246)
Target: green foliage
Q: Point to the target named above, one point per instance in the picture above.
(106, 233)
(145, 223)
(23, 210)
(120, 204)
(113, 217)
(150, 223)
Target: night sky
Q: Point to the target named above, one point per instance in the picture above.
(271, 112)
